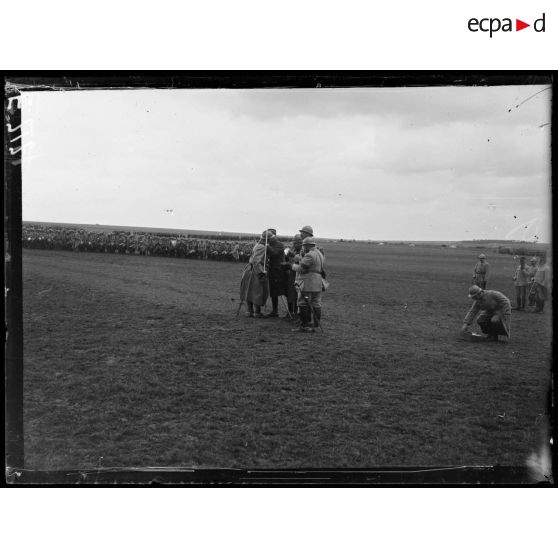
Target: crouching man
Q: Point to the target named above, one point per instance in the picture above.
(495, 313)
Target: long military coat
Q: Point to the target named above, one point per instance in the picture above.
(276, 272)
(252, 288)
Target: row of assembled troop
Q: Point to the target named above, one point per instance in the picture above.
(135, 243)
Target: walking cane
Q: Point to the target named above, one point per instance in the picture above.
(286, 306)
(265, 260)
(239, 307)
(265, 251)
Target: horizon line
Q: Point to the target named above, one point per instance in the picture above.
(234, 233)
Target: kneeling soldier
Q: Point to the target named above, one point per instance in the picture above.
(495, 313)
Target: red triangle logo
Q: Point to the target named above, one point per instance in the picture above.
(519, 25)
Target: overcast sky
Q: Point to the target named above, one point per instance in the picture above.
(445, 163)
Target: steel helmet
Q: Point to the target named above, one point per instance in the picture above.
(307, 229)
(474, 291)
(309, 241)
(482, 256)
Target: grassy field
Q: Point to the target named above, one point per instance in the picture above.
(140, 361)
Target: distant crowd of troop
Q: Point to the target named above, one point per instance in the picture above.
(532, 284)
(140, 243)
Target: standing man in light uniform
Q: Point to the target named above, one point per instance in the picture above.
(310, 284)
(481, 272)
(543, 282)
(521, 280)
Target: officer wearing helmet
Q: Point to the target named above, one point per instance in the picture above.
(276, 272)
(520, 281)
(532, 288)
(542, 283)
(292, 255)
(310, 284)
(493, 310)
(306, 231)
(480, 273)
(254, 288)
(532, 268)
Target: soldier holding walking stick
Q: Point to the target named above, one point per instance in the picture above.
(254, 288)
(276, 274)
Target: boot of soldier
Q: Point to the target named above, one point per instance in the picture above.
(317, 317)
(307, 323)
(304, 319)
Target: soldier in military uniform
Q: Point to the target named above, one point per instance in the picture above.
(520, 281)
(532, 290)
(532, 268)
(309, 282)
(480, 273)
(542, 283)
(306, 232)
(236, 252)
(290, 255)
(494, 311)
(254, 288)
(276, 273)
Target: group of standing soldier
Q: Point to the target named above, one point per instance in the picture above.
(136, 243)
(532, 284)
(295, 272)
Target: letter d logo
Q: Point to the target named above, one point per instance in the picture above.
(539, 24)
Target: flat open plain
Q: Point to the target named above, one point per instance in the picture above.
(136, 361)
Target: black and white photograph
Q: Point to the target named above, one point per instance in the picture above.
(348, 280)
